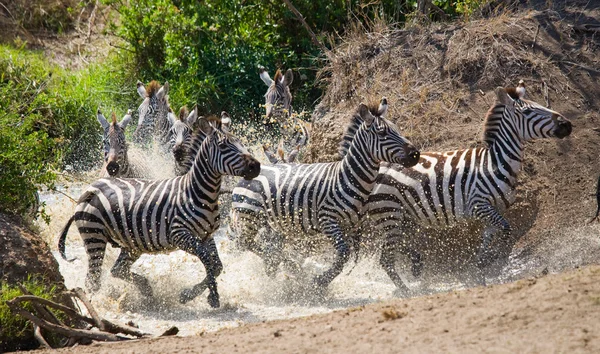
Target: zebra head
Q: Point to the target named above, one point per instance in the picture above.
(383, 138)
(228, 156)
(153, 110)
(529, 120)
(181, 132)
(114, 144)
(278, 99)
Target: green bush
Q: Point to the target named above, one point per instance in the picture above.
(48, 120)
(16, 333)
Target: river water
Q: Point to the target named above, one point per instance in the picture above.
(247, 294)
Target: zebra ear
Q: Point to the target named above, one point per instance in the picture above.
(502, 97)
(171, 117)
(102, 120)
(141, 89)
(191, 119)
(264, 76)
(225, 122)
(126, 119)
(164, 90)
(288, 78)
(383, 107)
(365, 114)
(205, 126)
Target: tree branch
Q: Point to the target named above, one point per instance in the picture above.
(299, 16)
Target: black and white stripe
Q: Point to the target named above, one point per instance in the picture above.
(116, 159)
(328, 198)
(184, 149)
(154, 122)
(445, 188)
(142, 216)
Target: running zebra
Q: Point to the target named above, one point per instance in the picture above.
(184, 150)
(154, 122)
(116, 159)
(142, 216)
(328, 198)
(454, 186)
(278, 99)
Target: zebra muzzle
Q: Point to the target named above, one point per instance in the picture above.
(179, 153)
(562, 129)
(112, 168)
(252, 169)
(412, 156)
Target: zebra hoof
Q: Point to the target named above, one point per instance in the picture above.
(213, 301)
(186, 296)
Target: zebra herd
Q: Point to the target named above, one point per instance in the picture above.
(381, 185)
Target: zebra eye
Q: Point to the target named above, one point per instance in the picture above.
(380, 132)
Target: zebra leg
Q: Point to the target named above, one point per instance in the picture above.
(95, 247)
(332, 230)
(270, 252)
(495, 223)
(207, 253)
(387, 260)
(122, 270)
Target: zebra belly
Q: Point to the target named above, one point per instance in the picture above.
(134, 214)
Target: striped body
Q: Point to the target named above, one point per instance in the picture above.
(154, 122)
(141, 216)
(446, 188)
(328, 198)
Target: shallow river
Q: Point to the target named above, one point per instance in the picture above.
(247, 294)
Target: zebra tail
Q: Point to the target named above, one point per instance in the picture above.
(63, 237)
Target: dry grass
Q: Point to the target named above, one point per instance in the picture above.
(439, 77)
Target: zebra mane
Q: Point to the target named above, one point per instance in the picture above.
(492, 123)
(183, 113)
(152, 88)
(278, 76)
(114, 119)
(352, 128)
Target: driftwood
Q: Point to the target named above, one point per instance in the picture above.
(46, 320)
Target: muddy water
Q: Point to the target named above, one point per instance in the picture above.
(247, 294)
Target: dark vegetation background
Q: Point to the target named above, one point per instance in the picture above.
(209, 51)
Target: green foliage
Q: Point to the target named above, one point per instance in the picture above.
(210, 50)
(48, 120)
(15, 332)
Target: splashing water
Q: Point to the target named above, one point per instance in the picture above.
(247, 294)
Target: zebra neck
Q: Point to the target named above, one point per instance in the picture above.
(359, 168)
(203, 180)
(506, 151)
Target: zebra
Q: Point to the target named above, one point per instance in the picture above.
(154, 122)
(324, 198)
(278, 98)
(278, 106)
(181, 140)
(116, 159)
(445, 188)
(152, 216)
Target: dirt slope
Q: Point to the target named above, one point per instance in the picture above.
(553, 314)
(439, 80)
